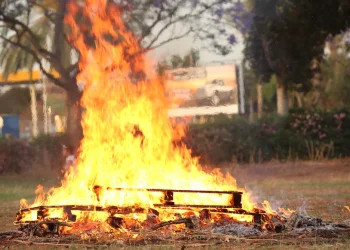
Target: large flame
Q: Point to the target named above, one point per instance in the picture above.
(128, 137)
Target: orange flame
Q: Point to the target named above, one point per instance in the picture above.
(128, 137)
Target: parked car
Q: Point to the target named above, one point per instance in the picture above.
(214, 92)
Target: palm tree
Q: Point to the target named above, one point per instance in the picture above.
(14, 58)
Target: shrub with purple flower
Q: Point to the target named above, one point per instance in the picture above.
(339, 120)
(309, 125)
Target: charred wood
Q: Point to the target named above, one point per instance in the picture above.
(191, 223)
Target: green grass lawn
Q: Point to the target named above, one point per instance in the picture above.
(13, 188)
(322, 189)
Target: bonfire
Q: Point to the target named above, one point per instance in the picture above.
(132, 181)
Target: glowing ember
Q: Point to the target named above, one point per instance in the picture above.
(128, 137)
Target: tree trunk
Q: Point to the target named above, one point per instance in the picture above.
(33, 107)
(44, 96)
(260, 98)
(282, 98)
(299, 99)
(74, 115)
(251, 109)
(58, 38)
(291, 100)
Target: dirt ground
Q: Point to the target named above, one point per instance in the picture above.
(321, 189)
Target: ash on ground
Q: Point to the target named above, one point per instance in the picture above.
(240, 230)
(297, 224)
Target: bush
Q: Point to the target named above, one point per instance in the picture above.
(48, 150)
(15, 155)
(303, 134)
(18, 155)
(222, 140)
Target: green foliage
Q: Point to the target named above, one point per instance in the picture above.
(307, 135)
(14, 101)
(303, 134)
(191, 59)
(323, 127)
(249, 83)
(255, 55)
(48, 149)
(269, 95)
(287, 35)
(19, 155)
(269, 89)
(15, 155)
(14, 58)
(335, 73)
(222, 140)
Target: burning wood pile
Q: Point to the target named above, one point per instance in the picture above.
(131, 182)
(139, 226)
(67, 219)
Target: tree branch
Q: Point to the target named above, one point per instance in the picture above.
(150, 28)
(34, 41)
(171, 13)
(58, 35)
(37, 59)
(163, 29)
(171, 39)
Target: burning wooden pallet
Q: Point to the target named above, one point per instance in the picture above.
(187, 214)
(53, 231)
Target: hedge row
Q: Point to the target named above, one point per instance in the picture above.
(17, 155)
(305, 135)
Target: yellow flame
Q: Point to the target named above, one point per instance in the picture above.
(128, 138)
(286, 212)
(267, 206)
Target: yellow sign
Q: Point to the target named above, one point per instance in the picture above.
(23, 77)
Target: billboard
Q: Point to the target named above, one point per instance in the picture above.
(205, 90)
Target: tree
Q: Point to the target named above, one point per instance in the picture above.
(14, 58)
(332, 88)
(25, 36)
(191, 59)
(261, 70)
(176, 61)
(149, 19)
(14, 101)
(249, 88)
(290, 35)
